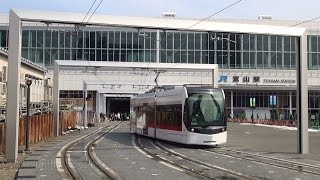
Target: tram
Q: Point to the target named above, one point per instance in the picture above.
(187, 114)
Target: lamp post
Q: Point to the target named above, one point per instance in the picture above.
(28, 83)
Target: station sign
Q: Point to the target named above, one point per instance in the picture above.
(223, 79)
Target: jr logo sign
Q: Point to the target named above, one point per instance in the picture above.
(223, 79)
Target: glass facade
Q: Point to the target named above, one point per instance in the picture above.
(313, 52)
(241, 100)
(228, 50)
(43, 47)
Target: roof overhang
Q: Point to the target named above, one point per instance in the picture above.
(117, 95)
(105, 65)
(154, 23)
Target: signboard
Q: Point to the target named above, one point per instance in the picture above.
(279, 81)
(258, 80)
(223, 79)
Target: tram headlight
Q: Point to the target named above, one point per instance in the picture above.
(223, 129)
(192, 130)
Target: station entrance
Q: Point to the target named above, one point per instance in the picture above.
(118, 104)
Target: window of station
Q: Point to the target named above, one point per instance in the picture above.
(262, 99)
(4, 38)
(74, 94)
(314, 100)
(229, 50)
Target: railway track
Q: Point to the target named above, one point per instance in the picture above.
(189, 168)
(267, 160)
(69, 170)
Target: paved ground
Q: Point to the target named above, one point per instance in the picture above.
(9, 170)
(117, 151)
(276, 142)
(41, 163)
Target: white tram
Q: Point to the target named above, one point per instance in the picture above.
(187, 115)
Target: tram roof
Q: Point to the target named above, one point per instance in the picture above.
(154, 23)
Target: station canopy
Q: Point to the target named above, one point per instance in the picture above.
(153, 23)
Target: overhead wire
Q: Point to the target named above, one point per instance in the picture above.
(281, 28)
(223, 9)
(277, 50)
(88, 11)
(77, 28)
(94, 11)
(286, 27)
(83, 25)
(227, 7)
(204, 19)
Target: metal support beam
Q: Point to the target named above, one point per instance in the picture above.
(158, 47)
(102, 104)
(14, 63)
(231, 105)
(302, 95)
(290, 102)
(55, 95)
(85, 103)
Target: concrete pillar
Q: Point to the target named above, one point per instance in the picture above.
(55, 103)
(85, 109)
(215, 75)
(302, 95)
(12, 109)
(98, 106)
(103, 104)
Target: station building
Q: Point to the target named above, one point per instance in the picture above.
(256, 68)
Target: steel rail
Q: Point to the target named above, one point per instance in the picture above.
(267, 160)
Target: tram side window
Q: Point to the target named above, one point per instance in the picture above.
(166, 118)
(149, 111)
(177, 120)
(169, 117)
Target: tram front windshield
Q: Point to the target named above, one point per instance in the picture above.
(206, 109)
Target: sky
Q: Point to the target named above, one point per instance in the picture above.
(246, 9)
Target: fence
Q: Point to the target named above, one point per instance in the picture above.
(40, 127)
(79, 117)
(289, 123)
